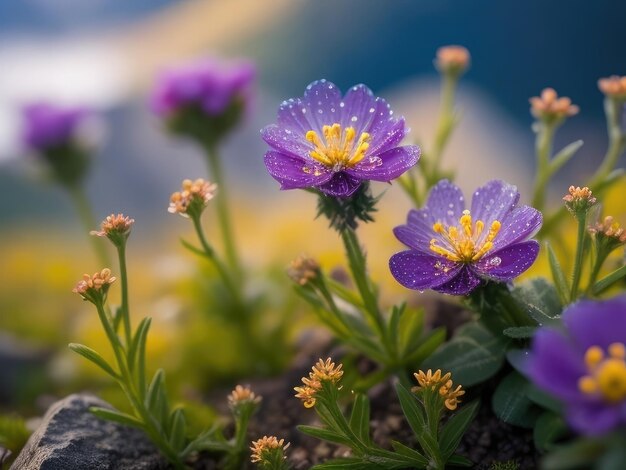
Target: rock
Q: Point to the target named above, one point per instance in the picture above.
(70, 437)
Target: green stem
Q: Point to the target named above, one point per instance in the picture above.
(578, 260)
(543, 148)
(121, 254)
(87, 218)
(223, 214)
(597, 266)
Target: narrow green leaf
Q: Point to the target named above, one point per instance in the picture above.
(178, 431)
(564, 156)
(346, 464)
(560, 280)
(156, 400)
(394, 320)
(360, 418)
(453, 431)
(116, 416)
(520, 332)
(194, 249)
(412, 410)
(139, 341)
(411, 328)
(548, 429)
(94, 357)
(425, 348)
(415, 456)
(324, 434)
(460, 461)
(472, 356)
(606, 282)
(117, 318)
(511, 403)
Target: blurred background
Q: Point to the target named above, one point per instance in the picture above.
(106, 54)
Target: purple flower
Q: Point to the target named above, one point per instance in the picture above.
(334, 143)
(584, 365)
(208, 83)
(452, 248)
(47, 125)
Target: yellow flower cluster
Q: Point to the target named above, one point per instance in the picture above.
(99, 281)
(114, 224)
(303, 269)
(266, 444)
(452, 58)
(443, 383)
(614, 86)
(199, 191)
(241, 395)
(322, 371)
(550, 106)
(610, 229)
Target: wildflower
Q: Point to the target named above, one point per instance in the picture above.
(549, 107)
(94, 288)
(584, 364)
(452, 59)
(609, 231)
(193, 197)
(303, 270)
(440, 383)
(115, 227)
(334, 144)
(242, 395)
(579, 200)
(453, 248)
(268, 449)
(204, 98)
(321, 372)
(613, 86)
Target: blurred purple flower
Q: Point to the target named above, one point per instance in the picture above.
(584, 365)
(211, 84)
(452, 248)
(334, 143)
(47, 125)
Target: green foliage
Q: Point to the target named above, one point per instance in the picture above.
(13, 435)
(344, 213)
(511, 403)
(507, 465)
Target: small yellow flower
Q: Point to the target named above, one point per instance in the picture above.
(193, 196)
(549, 106)
(322, 371)
(98, 282)
(267, 444)
(241, 395)
(609, 228)
(114, 224)
(442, 383)
(454, 59)
(303, 270)
(613, 86)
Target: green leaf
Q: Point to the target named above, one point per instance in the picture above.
(116, 416)
(460, 461)
(472, 356)
(397, 312)
(360, 418)
(511, 403)
(412, 410)
(606, 282)
(415, 456)
(156, 400)
(543, 399)
(540, 300)
(138, 342)
(324, 434)
(425, 347)
(453, 430)
(560, 280)
(410, 330)
(564, 156)
(178, 431)
(195, 250)
(548, 429)
(94, 357)
(520, 332)
(346, 464)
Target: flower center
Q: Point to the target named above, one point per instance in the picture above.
(339, 149)
(466, 242)
(607, 375)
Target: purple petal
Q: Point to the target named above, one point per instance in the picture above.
(555, 365)
(493, 201)
(419, 271)
(356, 110)
(293, 114)
(593, 419)
(445, 203)
(388, 165)
(288, 171)
(284, 140)
(462, 284)
(322, 99)
(340, 184)
(597, 323)
(417, 233)
(509, 262)
(386, 135)
(518, 225)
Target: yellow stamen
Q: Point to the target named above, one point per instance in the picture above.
(338, 149)
(464, 243)
(607, 375)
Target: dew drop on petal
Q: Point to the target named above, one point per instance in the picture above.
(306, 169)
(342, 104)
(354, 119)
(495, 261)
(372, 110)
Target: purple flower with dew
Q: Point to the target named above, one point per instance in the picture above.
(46, 125)
(209, 83)
(452, 248)
(584, 364)
(334, 143)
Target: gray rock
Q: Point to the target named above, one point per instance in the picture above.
(70, 437)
